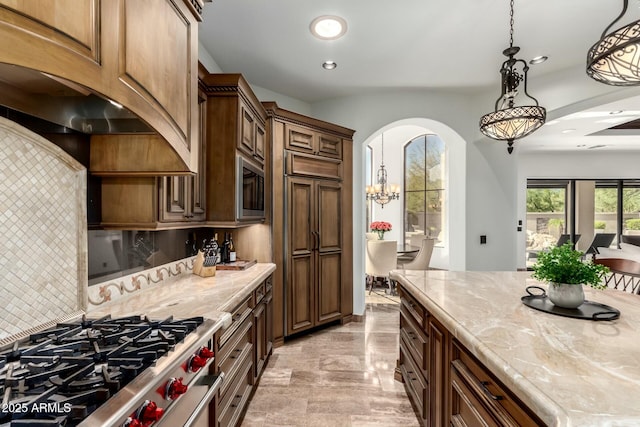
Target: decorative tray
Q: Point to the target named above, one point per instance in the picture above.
(588, 310)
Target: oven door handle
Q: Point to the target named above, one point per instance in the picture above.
(207, 397)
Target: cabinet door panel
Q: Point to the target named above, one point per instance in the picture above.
(330, 146)
(301, 216)
(247, 136)
(329, 286)
(329, 216)
(299, 139)
(174, 199)
(260, 141)
(437, 372)
(301, 298)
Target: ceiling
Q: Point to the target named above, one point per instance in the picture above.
(451, 45)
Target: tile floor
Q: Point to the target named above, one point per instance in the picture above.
(338, 376)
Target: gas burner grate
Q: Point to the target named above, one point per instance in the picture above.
(58, 376)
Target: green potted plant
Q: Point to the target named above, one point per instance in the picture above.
(566, 271)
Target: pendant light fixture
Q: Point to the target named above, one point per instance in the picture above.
(382, 193)
(509, 121)
(615, 58)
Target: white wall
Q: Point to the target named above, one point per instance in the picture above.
(283, 101)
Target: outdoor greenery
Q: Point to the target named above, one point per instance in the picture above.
(606, 200)
(563, 264)
(632, 224)
(424, 185)
(545, 200)
(599, 225)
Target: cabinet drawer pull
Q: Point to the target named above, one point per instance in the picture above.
(484, 385)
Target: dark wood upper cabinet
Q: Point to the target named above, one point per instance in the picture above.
(235, 126)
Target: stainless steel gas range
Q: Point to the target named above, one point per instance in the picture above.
(111, 372)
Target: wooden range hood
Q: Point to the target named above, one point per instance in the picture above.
(69, 59)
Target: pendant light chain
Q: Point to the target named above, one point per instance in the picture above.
(511, 25)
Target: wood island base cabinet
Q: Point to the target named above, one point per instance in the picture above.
(241, 352)
(446, 384)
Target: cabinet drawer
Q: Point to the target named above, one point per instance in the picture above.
(239, 387)
(238, 315)
(505, 408)
(416, 341)
(237, 348)
(467, 411)
(415, 383)
(299, 139)
(414, 308)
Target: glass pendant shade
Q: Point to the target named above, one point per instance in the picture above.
(615, 58)
(512, 123)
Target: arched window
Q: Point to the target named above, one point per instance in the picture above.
(425, 187)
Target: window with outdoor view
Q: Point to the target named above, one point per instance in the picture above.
(424, 187)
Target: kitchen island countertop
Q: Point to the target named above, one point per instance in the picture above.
(191, 295)
(570, 372)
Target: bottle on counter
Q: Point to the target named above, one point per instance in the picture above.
(225, 249)
(232, 249)
(218, 249)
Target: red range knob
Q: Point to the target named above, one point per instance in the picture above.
(149, 413)
(196, 362)
(132, 422)
(205, 352)
(175, 388)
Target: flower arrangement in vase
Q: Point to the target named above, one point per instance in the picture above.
(566, 272)
(380, 227)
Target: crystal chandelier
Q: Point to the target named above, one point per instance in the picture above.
(382, 192)
(509, 121)
(615, 58)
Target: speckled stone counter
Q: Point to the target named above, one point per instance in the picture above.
(571, 372)
(191, 295)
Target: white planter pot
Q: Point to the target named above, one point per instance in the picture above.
(565, 295)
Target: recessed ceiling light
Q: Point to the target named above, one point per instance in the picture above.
(538, 60)
(616, 112)
(552, 122)
(581, 145)
(329, 65)
(568, 130)
(328, 27)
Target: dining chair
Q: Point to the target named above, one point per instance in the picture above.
(381, 258)
(423, 258)
(624, 274)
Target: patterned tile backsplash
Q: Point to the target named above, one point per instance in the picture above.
(121, 287)
(43, 230)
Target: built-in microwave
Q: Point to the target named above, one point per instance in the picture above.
(249, 191)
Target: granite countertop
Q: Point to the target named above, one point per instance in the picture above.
(571, 372)
(191, 295)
